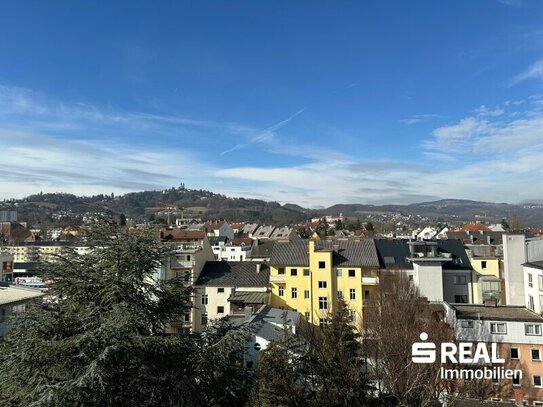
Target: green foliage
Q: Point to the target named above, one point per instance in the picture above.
(101, 341)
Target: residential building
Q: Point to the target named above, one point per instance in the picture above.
(533, 286)
(249, 228)
(13, 300)
(225, 249)
(266, 325)
(518, 333)
(226, 288)
(218, 228)
(283, 233)
(310, 276)
(487, 277)
(42, 252)
(440, 269)
(263, 232)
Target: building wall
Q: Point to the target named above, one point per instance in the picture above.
(457, 283)
(493, 267)
(322, 283)
(514, 255)
(533, 290)
(428, 277)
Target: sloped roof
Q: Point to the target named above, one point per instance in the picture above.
(249, 297)
(13, 294)
(234, 274)
(459, 257)
(215, 240)
(295, 253)
(262, 249)
(474, 227)
(356, 253)
(393, 254)
(535, 264)
(181, 234)
(496, 313)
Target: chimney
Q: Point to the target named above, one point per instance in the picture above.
(258, 268)
(335, 248)
(491, 302)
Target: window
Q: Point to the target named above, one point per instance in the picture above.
(514, 353)
(352, 293)
(366, 295)
(220, 310)
(220, 290)
(306, 272)
(340, 294)
(467, 324)
(483, 264)
(307, 316)
(530, 280)
(281, 271)
(531, 302)
(281, 291)
(204, 319)
(540, 282)
(353, 316)
(294, 292)
(322, 284)
(367, 273)
(306, 294)
(322, 264)
(323, 303)
(460, 280)
(498, 328)
(537, 381)
(532, 329)
(322, 322)
(516, 379)
(204, 299)
(339, 272)
(293, 272)
(536, 354)
(461, 299)
(352, 273)
(186, 317)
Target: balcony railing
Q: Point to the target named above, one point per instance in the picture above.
(280, 278)
(370, 280)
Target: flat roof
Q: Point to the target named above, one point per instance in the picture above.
(12, 294)
(496, 313)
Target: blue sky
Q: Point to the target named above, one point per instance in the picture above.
(314, 103)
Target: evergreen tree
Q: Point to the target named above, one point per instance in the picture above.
(99, 341)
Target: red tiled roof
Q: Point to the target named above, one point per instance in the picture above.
(179, 234)
(472, 227)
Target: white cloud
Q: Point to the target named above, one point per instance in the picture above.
(535, 71)
(419, 118)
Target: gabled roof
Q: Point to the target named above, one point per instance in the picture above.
(459, 257)
(181, 234)
(215, 240)
(234, 274)
(496, 313)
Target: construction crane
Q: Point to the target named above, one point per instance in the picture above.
(168, 208)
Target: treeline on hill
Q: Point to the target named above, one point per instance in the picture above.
(39, 209)
(100, 341)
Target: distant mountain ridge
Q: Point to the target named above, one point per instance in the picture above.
(208, 205)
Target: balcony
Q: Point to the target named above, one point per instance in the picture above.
(280, 278)
(370, 280)
(179, 264)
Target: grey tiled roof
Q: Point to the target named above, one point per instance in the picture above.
(393, 254)
(262, 249)
(355, 253)
(294, 253)
(234, 274)
(493, 313)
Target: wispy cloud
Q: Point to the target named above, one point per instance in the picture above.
(419, 118)
(512, 3)
(534, 71)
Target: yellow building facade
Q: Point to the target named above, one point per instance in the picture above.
(311, 276)
(487, 279)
